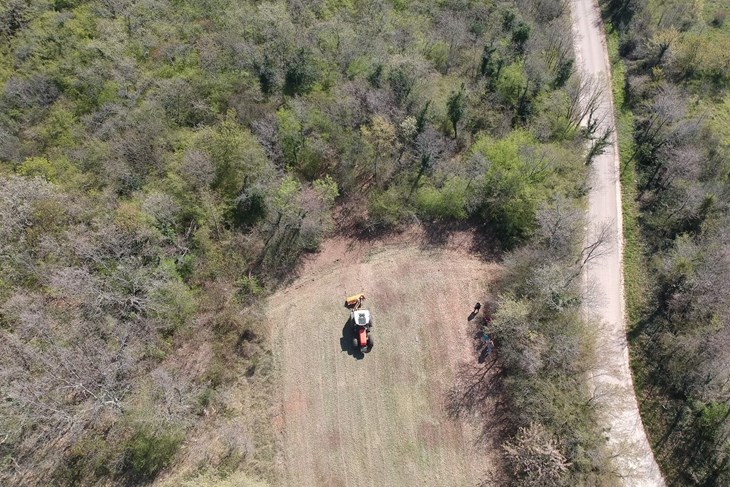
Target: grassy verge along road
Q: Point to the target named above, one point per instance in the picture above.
(379, 419)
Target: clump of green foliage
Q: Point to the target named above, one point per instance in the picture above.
(146, 453)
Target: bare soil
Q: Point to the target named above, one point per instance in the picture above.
(387, 417)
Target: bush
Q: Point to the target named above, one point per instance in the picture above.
(91, 456)
(173, 304)
(147, 452)
(447, 202)
(719, 18)
(387, 209)
(249, 287)
(535, 458)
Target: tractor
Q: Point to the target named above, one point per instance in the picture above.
(361, 322)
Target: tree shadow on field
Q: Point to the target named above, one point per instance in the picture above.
(484, 241)
(476, 393)
(348, 335)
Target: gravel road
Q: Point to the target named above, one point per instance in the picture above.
(612, 381)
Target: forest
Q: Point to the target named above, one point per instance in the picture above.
(165, 163)
(674, 68)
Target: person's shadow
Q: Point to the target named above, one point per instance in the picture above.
(485, 353)
(472, 315)
(346, 341)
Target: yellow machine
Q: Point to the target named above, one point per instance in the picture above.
(354, 301)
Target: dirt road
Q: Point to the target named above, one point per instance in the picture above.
(377, 419)
(612, 381)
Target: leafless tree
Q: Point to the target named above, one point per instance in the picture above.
(197, 168)
(430, 148)
(659, 125)
(453, 29)
(37, 90)
(559, 225)
(599, 240)
(9, 146)
(545, 11)
(535, 457)
(684, 162)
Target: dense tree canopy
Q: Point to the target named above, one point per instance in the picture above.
(164, 163)
(676, 90)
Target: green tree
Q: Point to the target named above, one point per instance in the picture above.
(290, 135)
(237, 156)
(455, 108)
(402, 79)
(301, 73)
(512, 187)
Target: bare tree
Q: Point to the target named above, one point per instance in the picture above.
(535, 457)
(430, 147)
(197, 168)
(584, 98)
(453, 29)
(559, 225)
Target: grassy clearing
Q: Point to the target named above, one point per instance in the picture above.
(381, 418)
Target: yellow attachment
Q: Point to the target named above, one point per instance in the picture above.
(354, 300)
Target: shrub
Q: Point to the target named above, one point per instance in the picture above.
(447, 202)
(148, 451)
(719, 18)
(173, 304)
(249, 287)
(535, 457)
(387, 209)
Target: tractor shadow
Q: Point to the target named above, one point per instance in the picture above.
(348, 335)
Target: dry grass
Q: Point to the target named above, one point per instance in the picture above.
(382, 419)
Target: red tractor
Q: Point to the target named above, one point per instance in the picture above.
(363, 341)
(361, 322)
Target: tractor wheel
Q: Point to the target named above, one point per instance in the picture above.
(370, 343)
(355, 343)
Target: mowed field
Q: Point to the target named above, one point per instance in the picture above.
(380, 419)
